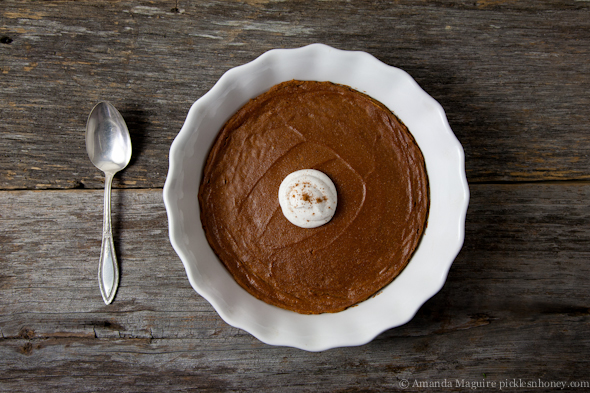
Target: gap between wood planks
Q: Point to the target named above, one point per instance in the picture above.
(471, 183)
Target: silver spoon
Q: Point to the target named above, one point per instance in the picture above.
(109, 147)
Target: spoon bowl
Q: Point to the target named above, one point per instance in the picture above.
(108, 144)
(107, 138)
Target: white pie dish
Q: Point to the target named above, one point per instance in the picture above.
(426, 273)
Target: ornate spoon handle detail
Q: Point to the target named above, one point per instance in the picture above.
(108, 268)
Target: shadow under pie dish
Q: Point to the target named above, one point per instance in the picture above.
(351, 164)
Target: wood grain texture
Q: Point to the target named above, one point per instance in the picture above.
(513, 76)
(515, 304)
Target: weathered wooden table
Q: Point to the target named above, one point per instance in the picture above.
(514, 79)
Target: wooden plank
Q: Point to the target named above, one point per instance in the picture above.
(513, 76)
(198, 365)
(515, 304)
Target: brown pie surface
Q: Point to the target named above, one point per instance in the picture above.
(381, 181)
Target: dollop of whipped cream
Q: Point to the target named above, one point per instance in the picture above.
(308, 198)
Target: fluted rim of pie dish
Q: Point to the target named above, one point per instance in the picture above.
(425, 274)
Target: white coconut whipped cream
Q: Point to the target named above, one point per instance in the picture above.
(308, 198)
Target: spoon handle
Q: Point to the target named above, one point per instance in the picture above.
(108, 269)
